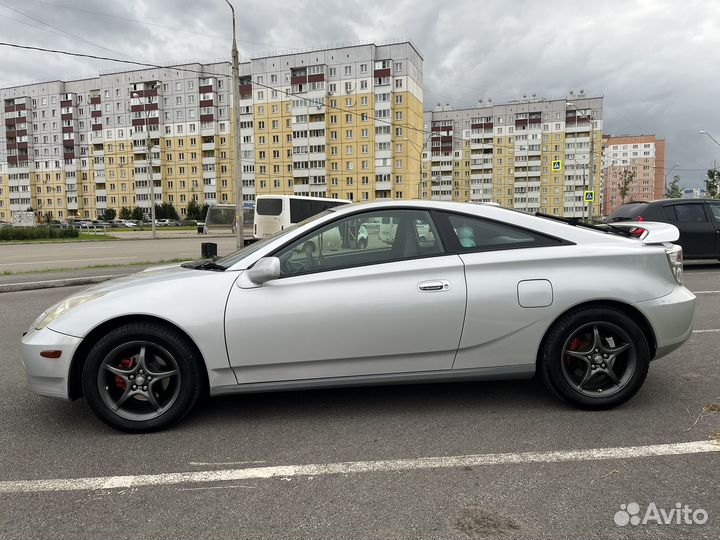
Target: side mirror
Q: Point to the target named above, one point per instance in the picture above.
(266, 269)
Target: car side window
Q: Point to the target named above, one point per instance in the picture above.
(690, 212)
(476, 234)
(362, 239)
(715, 209)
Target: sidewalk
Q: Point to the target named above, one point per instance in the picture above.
(69, 278)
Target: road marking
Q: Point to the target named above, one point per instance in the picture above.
(216, 487)
(68, 260)
(211, 463)
(352, 467)
(704, 331)
(706, 292)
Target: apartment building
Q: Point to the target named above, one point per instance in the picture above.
(343, 122)
(643, 155)
(532, 154)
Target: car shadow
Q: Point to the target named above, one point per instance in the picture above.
(378, 401)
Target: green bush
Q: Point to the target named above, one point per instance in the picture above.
(37, 233)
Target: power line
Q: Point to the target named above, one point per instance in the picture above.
(146, 23)
(316, 102)
(73, 36)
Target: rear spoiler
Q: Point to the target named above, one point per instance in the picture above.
(654, 232)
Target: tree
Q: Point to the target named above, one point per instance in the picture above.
(159, 212)
(672, 191)
(109, 214)
(204, 211)
(628, 177)
(169, 211)
(125, 213)
(137, 214)
(194, 211)
(712, 183)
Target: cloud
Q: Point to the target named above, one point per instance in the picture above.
(654, 61)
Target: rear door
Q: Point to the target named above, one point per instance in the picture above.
(697, 231)
(714, 207)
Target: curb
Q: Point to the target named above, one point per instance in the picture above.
(53, 283)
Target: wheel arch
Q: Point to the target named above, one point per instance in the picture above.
(629, 310)
(78, 361)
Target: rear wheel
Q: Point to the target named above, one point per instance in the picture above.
(595, 358)
(142, 377)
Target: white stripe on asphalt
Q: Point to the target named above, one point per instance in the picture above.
(704, 331)
(706, 292)
(350, 467)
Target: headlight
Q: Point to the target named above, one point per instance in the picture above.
(66, 305)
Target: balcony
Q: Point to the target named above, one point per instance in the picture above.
(208, 160)
(383, 185)
(209, 174)
(208, 146)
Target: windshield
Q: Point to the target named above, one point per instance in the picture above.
(240, 254)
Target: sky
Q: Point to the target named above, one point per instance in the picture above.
(655, 62)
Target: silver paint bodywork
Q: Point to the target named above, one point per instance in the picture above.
(468, 315)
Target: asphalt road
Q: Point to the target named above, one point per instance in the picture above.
(45, 439)
(28, 257)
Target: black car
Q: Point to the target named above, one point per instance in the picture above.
(697, 219)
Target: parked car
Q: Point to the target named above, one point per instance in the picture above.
(129, 223)
(698, 221)
(587, 309)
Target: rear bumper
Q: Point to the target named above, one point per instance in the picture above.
(48, 376)
(671, 317)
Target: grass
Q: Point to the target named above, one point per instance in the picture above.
(94, 267)
(83, 237)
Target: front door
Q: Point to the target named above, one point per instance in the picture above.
(344, 308)
(697, 232)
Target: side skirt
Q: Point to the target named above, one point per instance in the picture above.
(525, 371)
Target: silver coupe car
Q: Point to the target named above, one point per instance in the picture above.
(388, 292)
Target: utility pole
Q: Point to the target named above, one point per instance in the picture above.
(239, 221)
(148, 151)
(592, 154)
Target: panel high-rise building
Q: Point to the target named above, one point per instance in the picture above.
(343, 122)
(531, 154)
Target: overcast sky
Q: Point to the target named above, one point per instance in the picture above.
(655, 62)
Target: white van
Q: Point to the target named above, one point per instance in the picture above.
(274, 213)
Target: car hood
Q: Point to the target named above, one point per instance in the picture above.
(172, 293)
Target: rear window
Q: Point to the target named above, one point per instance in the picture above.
(686, 212)
(268, 207)
(627, 212)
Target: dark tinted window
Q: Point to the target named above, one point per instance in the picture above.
(627, 212)
(301, 209)
(475, 234)
(715, 209)
(691, 212)
(269, 207)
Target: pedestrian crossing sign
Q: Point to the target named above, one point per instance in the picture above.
(557, 165)
(589, 196)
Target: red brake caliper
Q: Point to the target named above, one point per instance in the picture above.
(125, 363)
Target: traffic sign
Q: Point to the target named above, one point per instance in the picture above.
(557, 165)
(589, 196)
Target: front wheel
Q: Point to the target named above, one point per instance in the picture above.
(595, 358)
(142, 377)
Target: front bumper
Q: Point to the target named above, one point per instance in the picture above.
(48, 376)
(671, 317)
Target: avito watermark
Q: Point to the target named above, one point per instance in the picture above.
(681, 514)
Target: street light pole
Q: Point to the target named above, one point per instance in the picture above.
(666, 175)
(592, 155)
(148, 151)
(239, 221)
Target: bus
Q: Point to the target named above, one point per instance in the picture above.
(273, 213)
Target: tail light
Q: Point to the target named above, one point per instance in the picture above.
(675, 260)
(638, 232)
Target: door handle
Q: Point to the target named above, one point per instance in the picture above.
(436, 285)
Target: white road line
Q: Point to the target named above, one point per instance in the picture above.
(350, 467)
(211, 463)
(705, 331)
(706, 292)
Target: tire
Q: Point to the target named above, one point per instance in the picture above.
(594, 358)
(142, 377)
